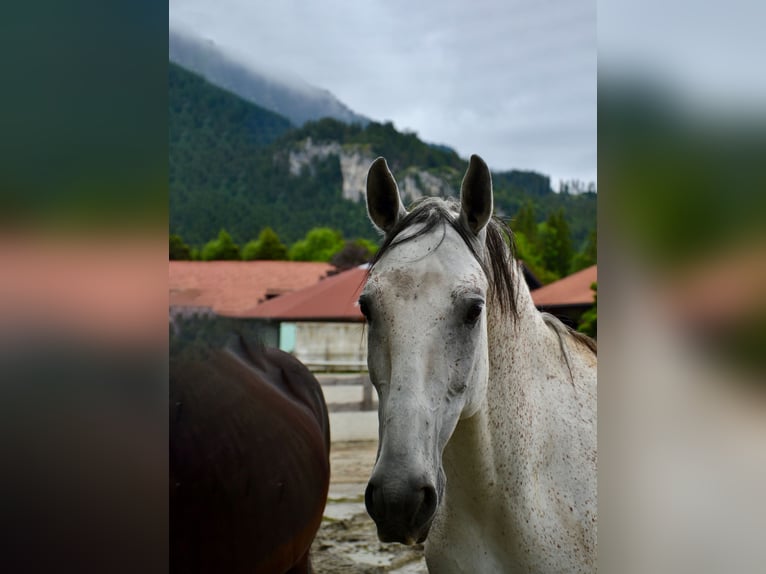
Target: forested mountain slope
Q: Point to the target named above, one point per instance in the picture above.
(239, 167)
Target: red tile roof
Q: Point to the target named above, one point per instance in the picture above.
(331, 299)
(724, 289)
(231, 287)
(571, 290)
(335, 298)
(100, 287)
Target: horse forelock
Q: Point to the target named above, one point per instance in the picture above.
(496, 257)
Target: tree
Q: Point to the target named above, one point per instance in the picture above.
(587, 256)
(222, 248)
(589, 320)
(266, 247)
(370, 246)
(525, 222)
(556, 244)
(526, 252)
(179, 251)
(320, 244)
(353, 254)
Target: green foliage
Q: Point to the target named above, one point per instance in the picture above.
(527, 252)
(370, 246)
(229, 169)
(320, 244)
(684, 181)
(517, 191)
(267, 246)
(555, 244)
(546, 246)
(222, 248)
(353, 254)
(588, 256)
(214, 141)
(744, 343)
(588, 321)
(525, 221)
(178, 250)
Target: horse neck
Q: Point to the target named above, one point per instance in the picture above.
(518, 344)
(515, 339)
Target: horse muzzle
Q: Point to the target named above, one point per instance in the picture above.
(402, 509)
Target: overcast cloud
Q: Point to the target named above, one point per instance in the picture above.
(514, 81)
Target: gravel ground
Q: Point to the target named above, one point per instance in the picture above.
(347, 542)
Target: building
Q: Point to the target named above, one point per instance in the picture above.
(321, 324)
(568, 298)
(221, 291)
(299, 308)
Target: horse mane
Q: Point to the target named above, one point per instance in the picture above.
(563, 331)
(497, 262)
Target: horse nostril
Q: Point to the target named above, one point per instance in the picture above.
(427, 506)
(370, 494)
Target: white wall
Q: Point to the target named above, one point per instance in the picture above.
(331, 346)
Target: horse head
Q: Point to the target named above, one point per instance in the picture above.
(424, 301)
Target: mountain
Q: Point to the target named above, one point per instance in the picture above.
(239, 167)
(290, 97)
(424, 169)
(214, 140)
(705, 168)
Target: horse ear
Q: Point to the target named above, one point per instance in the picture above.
(384, 205)
(476, 195)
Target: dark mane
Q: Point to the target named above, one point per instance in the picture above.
(498, 261)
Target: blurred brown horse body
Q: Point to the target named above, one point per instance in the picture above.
(249, 461)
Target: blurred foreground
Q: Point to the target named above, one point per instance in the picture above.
(83, 339)
(682, 262)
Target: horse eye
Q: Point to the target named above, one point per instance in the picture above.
(364, 308)
(473, 313)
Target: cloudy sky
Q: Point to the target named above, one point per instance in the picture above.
(710, 53)
(511, 80)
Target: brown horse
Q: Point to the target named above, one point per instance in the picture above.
(249, 460)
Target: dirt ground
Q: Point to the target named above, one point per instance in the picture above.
(347, 542)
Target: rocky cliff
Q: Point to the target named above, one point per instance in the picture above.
(355, 160)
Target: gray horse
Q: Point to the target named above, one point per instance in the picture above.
(487, 407)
